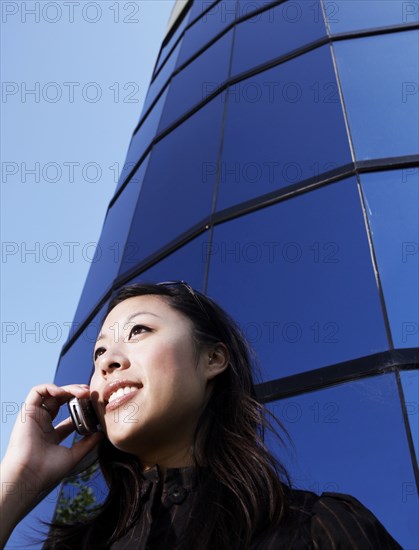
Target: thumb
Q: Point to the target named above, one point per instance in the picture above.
(85, 452)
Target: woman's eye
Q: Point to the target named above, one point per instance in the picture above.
(138, 329)
(99, 352)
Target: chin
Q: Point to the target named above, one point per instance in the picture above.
(129, 437)
(123, 443)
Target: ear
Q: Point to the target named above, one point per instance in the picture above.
(216, 360)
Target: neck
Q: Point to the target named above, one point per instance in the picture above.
(167, 458)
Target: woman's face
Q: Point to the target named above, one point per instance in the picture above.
(150, 382)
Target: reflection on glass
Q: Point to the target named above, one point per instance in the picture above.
(178, 189)
(279, 30)
(410, 384)
(392, 200)
(291, 128)
(299, 279)
(351, 439)
(380, 89)
(80, 495)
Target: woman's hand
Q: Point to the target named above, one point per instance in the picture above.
(34, 449)
(35, 461)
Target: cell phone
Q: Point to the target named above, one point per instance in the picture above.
(83, 415)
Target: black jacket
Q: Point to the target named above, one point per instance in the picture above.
(331, 521)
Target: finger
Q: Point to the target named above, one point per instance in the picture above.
(51, 397)
(64, 428)
(44, 391)
(85, 445)
(65, 393)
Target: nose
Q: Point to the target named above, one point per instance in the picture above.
(112, 360)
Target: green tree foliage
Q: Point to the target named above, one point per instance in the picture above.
(82, 500)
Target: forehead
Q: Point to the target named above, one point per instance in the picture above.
(156, 307)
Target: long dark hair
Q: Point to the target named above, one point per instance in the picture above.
(242, 478)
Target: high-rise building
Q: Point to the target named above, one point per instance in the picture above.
(275, 168)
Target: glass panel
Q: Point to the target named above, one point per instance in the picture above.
(392, 200)
(298, 278)
(106, 257)
(198, 80)
(278, 31)
(75, 366)
(410, 384)
(142, 139)
(185, 264)
(379, 84)
(350, 439)
(160, 81)
(174, 197)
(351, 15)
(166, 49)
(200, 6)
(217, 18)
(282, 126)
(246, 7)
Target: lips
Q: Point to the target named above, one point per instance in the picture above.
(119, 391)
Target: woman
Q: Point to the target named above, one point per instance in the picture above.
(182, 445)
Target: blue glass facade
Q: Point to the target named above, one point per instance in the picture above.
(275, 167)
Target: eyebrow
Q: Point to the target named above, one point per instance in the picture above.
(101, 335)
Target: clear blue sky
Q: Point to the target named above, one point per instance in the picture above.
(89, 65)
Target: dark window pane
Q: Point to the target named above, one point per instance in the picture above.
(291, 128)
(351, 439)
(246, 7)
(160, 81)
(106, 259)
(410, 384)
(185, 264)
(142, 139)
(198, 80)
(392, 200)
(298, 278)
(76, 365)
(174, 196)
(278, 30)
(217, 18)
(380, 89)
(166, 49)
(199, 7)
(352, 15)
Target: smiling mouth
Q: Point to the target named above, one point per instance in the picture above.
(120, 392)
(122, 395)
